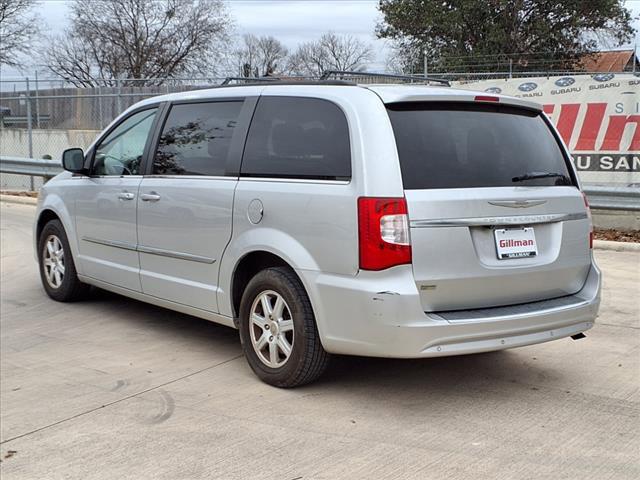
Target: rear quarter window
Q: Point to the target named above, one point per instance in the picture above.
(460, 145)
(297, 137)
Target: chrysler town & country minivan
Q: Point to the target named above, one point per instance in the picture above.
(398, 221)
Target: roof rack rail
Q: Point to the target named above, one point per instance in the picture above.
(247, 81)
(412, 79)
(228, 80)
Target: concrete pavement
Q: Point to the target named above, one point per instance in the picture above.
(114, 388)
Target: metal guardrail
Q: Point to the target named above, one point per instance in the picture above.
(22, 121)
(30, 166)
(600, 197)
(613, 198)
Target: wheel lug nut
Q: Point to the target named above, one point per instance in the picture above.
(271, 338)
(266, 327)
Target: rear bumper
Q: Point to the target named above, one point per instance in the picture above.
(379, 314)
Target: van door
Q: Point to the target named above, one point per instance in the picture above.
(105, 203)
(186, 200)
(495, 214)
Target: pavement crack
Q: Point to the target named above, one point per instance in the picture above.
(618, 325)
(91, 410)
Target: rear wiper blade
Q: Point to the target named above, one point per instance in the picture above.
(534, 175)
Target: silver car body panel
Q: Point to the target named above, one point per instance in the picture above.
(187, 245)
(151, 250)
(380, 314)
(191, 225)
(102, 218)
(470, 275)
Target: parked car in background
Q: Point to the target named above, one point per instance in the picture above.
(330, 218)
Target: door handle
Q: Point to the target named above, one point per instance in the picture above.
(126, 196)
(150, 197)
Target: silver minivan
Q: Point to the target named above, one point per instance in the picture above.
(401, 221)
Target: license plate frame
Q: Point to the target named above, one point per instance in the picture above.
(514, 243)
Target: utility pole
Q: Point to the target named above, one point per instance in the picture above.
(30, 131)
(37, 103)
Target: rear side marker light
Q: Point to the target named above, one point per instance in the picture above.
(486, 98)
(383, 233)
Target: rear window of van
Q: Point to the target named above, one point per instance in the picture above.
(465, 145)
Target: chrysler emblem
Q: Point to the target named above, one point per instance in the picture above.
(517, 203)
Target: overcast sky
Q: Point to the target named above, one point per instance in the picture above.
(291, 21)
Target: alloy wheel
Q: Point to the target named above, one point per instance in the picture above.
(271, 329)
(53, 261)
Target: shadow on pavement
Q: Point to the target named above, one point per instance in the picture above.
(445, 375)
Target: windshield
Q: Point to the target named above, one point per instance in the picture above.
(463, 145)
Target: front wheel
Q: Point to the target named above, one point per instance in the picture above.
(57, 270)
(278, 330)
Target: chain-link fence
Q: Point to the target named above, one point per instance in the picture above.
(42, 118)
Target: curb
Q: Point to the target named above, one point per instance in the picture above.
(18, 199)
(616, 246)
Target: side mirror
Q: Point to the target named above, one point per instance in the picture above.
(73, 160)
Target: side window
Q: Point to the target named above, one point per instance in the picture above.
(120, 153)
(295, 137)
(195, 139)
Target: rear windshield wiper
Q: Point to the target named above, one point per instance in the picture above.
(535, 175)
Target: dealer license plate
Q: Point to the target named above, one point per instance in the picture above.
(515, 242)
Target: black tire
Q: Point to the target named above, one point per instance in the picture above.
(308, 360)
(70, 288)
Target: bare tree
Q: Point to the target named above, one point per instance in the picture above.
(139, 39)
(403, 58)
(19, 26)
(259, 56)
(330, 52)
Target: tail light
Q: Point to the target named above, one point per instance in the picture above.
(586, 204)
(383, 233)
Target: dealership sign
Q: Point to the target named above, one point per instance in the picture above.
(598, 117)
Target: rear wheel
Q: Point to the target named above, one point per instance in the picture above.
(57, 270)
(278, 330)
